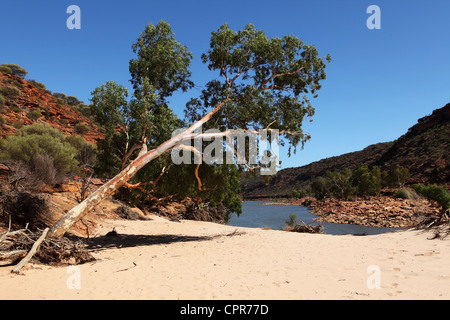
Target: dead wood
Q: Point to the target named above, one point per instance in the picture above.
(32, 252)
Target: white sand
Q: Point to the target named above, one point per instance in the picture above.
(170, 260)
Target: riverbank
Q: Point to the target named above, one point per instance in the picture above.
(161, 259)
(380, 211)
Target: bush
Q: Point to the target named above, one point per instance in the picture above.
(5, 69)
(2, 100)
(367, 181)
(10, 92)
(15, 109)
(60, 97)
(34, 114)
(435, 193)
(2, 120)
(16, 70)
(405, 194)
(320, 188)
(44, 140)
(37, 85)
(15, 82)
(81, 128)
(396, 177)
(17, 124)
(72, 101)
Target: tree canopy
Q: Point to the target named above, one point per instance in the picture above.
(263, 83)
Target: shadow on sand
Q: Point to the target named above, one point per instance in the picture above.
(132, 240)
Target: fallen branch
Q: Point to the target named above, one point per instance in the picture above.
(32, 252)
(12, 255)
(6, 234)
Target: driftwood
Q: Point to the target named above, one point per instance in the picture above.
(12, 256)
(32, 252)
(306, 228)
(64, 251)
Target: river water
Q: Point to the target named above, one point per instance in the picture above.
(255, 215)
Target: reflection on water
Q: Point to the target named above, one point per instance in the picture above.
(255, 215)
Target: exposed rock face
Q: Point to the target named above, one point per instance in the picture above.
(46, 108)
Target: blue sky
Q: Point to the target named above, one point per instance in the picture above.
(378, 84)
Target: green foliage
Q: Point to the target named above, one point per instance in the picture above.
(17, 124)
(367, 181)
(37, 85)
(5, 69)
(72, 101)
(2, 100)
(292, 220)
(436, 193)
(320, 188)
(263, 82)
(110, 106)
(396, 177)
(10, 92)
(86, 151)
(16, 70)
(34, 114)
(15, 109)
(44, 140)
(340, 183)
(405, 193)
(14, 82)
(81, 128)
(298, 194)
(162, 60)
(2, 120)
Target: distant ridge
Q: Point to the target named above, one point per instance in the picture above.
(424, 150)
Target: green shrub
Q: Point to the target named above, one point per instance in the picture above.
(2, 120)
(47, 113)
(320, 188)
(41, 139)
(367, 181)
(2, 100)
(16, 70)
(72, 101)
(434, 193)
(60, 101)
(60, 97)
(396, 177)
(292, 220)
(81, 128)
(405, 194)
(17, 125)
(37, 85)
(15, 109)
(15, 82)
(5, 69)
(34, 114)
(10, 92)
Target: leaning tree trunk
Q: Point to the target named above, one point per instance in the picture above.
(110, 187)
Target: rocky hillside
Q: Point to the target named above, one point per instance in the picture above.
(424, 150)
(24, 102)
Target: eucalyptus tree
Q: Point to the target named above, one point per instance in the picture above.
(262, 83)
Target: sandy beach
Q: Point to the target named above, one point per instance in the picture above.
(159, 259)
